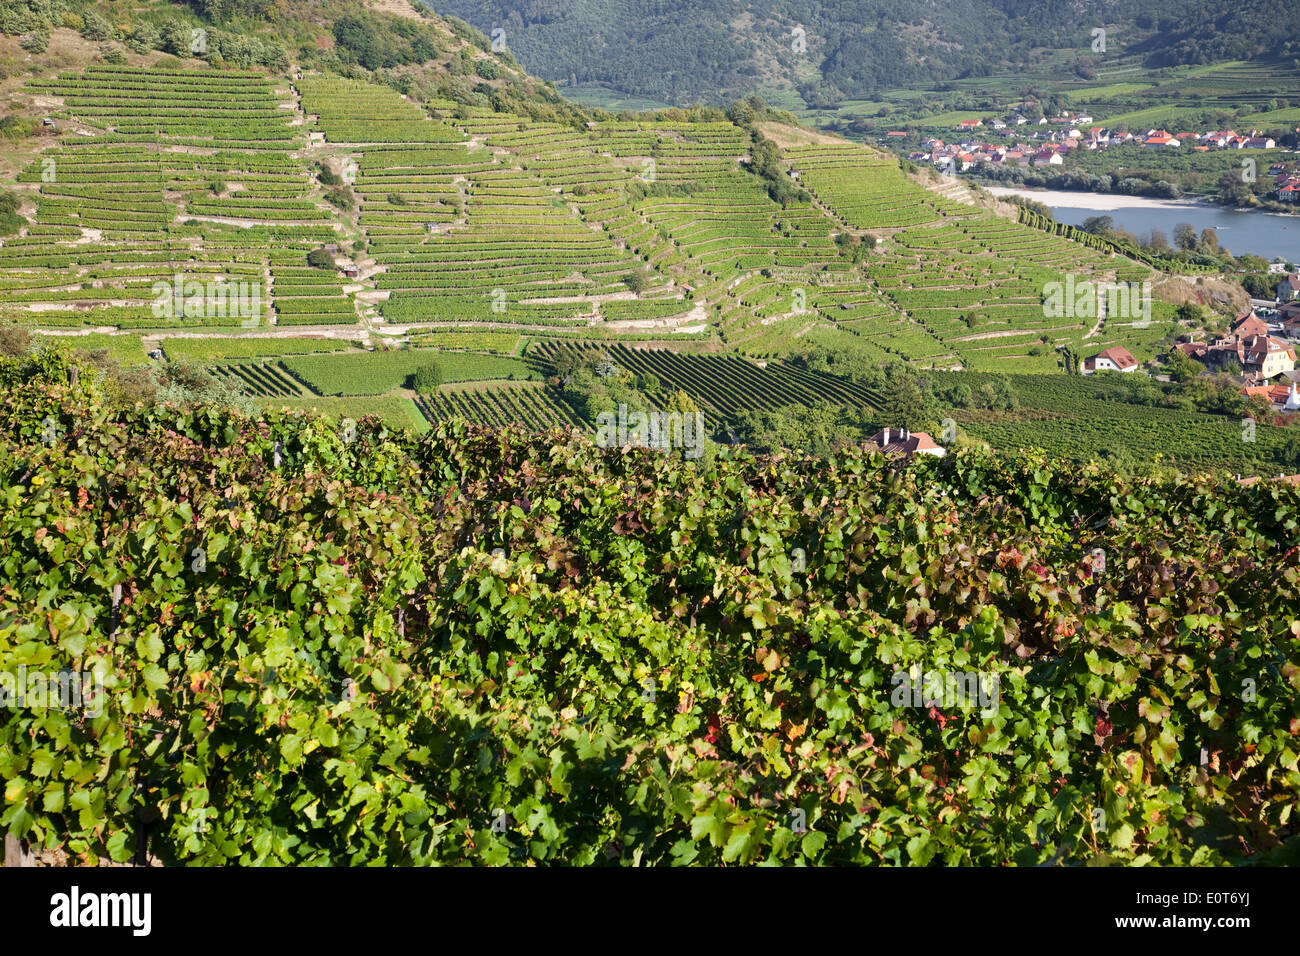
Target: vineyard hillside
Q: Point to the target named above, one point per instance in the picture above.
(281, 211)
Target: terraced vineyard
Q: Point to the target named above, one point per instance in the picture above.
(173, 212)
(535, 407)
(375, 373)
(263, 381)
(727, 384)
(191, 200)
(247, 347)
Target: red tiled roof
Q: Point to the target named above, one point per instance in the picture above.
(1120, 356)
(899, 441)
(1275, 394)
(1255, 479)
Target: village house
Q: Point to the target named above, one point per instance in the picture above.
(1260, 356)
(1284, 398)
(899, 441)
(1289, 288)
(1159, 137)
(1288, 315)
(1292, 480)
(1116, 359)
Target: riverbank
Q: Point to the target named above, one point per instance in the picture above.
(1101, 202)
(1270, 235)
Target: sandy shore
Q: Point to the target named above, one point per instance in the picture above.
(1100, 202)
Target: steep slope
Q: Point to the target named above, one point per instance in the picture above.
(315, 237)
(484, 218)
(683, 52)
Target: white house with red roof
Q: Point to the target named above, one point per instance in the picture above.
(1114, 359)
(899, 441)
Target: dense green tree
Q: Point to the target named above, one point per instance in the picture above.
(427, 378)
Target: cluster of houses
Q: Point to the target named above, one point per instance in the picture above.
(1286, 182)
(1250, 345)
(1261, 353)
(1267, 363)
(1267, 359)
(1058, 137)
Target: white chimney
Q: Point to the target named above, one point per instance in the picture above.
(886, 441)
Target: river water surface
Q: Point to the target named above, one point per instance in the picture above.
(1260, 233)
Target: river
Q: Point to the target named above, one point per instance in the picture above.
(1260, 233)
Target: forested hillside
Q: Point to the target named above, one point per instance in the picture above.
(683, 52)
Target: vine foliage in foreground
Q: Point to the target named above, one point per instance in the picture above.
(498, 647)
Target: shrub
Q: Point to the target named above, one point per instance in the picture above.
(320, 259)
(14, 340)
(427, 377)
(144, 38)
(342, 197)
(95, 27)
(36, 41)
(15, 127)
(176, 38)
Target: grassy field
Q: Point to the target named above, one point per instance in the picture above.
(1094, 94)
(395, 411)
(210, 350)
(123, 349)
(374, 373)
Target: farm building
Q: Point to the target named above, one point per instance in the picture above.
(1117, 359)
